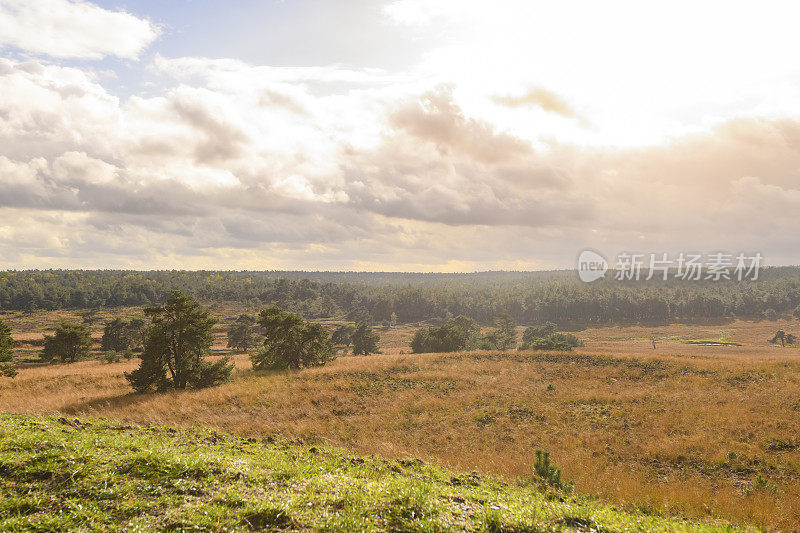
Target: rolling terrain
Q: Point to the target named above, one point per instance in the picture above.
(682, 430)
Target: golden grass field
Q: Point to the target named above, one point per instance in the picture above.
(690, 430)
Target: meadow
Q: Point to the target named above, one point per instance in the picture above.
(66, 474)
(703, 432)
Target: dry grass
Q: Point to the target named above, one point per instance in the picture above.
(680, 429)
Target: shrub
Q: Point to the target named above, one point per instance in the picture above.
(545, 337)
(547, 474)
(537, 332)
(120, 335)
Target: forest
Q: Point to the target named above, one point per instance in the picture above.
(529, 297)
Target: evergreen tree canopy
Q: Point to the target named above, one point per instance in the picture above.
(178, 340)
(291, 342)
(365, 340)
(69, 343)
(6, 351)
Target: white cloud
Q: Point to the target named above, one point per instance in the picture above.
(231, 165)
(640, 73)
(73, 29)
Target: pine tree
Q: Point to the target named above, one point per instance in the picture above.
(178, 340)
(365, 340)
(69, 343)
(6, 352)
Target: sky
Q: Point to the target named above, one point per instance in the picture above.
(395, 135)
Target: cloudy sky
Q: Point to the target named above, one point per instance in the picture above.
(420, 135)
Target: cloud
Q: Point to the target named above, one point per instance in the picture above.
(72, 29)
(436, 118)
(207, 174)
(538, 97)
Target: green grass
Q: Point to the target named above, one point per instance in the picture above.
(98, 475)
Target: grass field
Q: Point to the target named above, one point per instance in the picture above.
(682, 430)
(96, 475)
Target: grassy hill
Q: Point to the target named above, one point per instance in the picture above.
(99, 475)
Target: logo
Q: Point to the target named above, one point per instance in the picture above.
(591, 266)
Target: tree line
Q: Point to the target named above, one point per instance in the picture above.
(528, 297)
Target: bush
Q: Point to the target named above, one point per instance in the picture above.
(538, 332)
(343, 335)
(206, 374)
(545, 337)
(547, 474)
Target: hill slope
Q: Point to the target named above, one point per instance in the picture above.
(59, 474)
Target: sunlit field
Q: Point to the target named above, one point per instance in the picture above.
(698, 431)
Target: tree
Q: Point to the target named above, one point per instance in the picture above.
(6, 352)
(780, 335)
(783, 337)
(422, 341)
(360, 314)
(69, 343)
(504, 336)
(136, 332)
(537, 332)
(459, 333)
(291, 342)
(343, 335)
(545, 337)
(242, 334)
(365, 340)
(115, 336)
(178, 340)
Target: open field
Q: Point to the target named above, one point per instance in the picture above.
(70, 474)
(692, 430)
